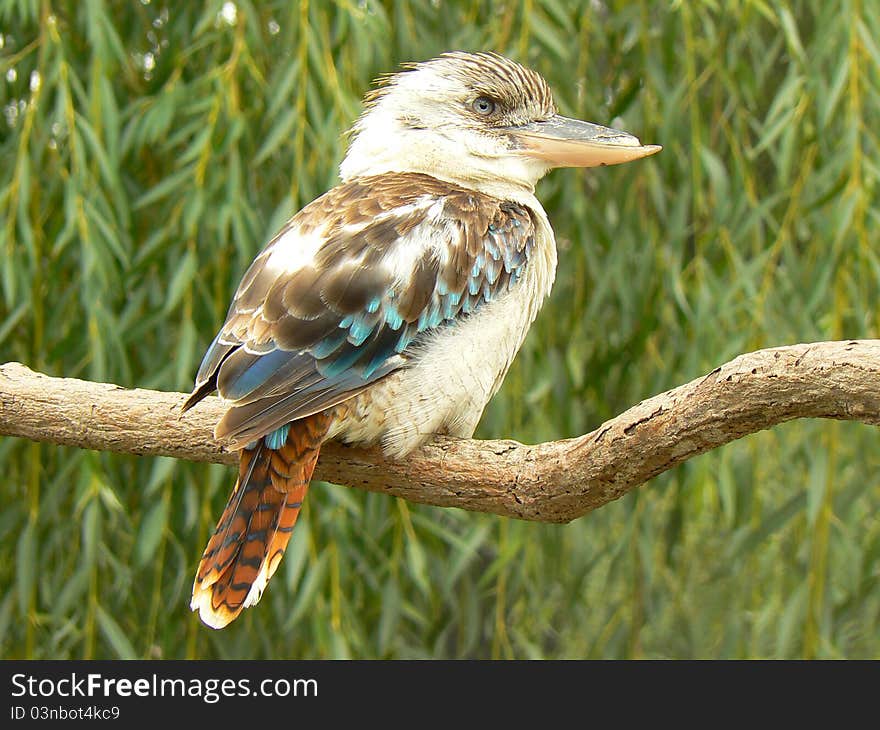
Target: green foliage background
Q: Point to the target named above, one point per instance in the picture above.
(148, 149)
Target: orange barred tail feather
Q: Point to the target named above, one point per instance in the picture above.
(253, 531)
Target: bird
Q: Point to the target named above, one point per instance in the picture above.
(388, 310)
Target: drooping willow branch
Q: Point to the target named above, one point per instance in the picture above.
(550, 482)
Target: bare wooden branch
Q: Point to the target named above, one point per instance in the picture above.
(550, 482)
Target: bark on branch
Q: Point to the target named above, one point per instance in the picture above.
(551, 482)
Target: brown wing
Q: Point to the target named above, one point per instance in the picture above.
(337, 297)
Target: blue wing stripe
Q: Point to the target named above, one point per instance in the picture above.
(277, 438)
(252, 374)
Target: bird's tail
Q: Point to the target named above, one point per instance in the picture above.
(253, 531)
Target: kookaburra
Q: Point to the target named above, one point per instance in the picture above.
(389, 309)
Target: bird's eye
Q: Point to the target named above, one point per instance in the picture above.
(483, 105)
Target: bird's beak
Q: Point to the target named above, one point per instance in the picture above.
(564, 142)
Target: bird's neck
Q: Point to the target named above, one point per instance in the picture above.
(390, 147)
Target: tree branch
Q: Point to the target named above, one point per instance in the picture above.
(550, 482)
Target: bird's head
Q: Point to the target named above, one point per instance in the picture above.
(478, 119)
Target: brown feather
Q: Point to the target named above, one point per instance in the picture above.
(256, 525)
(293, 311)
